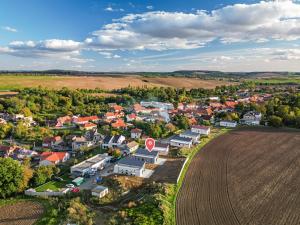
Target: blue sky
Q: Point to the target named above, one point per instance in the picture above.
(96, 35)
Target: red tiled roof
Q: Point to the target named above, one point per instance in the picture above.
(86, 119)
(118, 108)
(118, 123)
(89, 125)
(200, 127)
(136, 130)
(53, 156)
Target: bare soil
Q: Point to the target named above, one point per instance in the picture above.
(21, 213)
(106, 82)
(169, 171)
(249, 176)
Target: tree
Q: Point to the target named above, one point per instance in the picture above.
(78, 213)
(26, 112)
(5, 130)
(27, 174)
(116, 153)
(42, 174)
(11, 177)
(275, 121)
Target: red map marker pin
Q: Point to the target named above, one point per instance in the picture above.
(150, 144)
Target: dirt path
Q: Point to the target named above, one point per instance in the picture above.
(21, 213)
(247, 177)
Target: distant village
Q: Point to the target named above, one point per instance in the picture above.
(122, 151)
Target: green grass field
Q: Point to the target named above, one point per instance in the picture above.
(288, 80)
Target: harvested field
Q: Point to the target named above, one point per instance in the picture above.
(249, 176)
(169, 171)
(104, 82)
(21, 213)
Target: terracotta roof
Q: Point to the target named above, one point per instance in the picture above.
(118, 108)
(109, 114)
(53, 156)
(89, 125)
(200, 127)
(132, 116)
(86, 119)
(118, 123)
(136, 130)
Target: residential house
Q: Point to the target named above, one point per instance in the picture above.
(20, 154)
(161, 148)
(147, 156)
(160, 105)
(117, 141)
(2, 121)
(50, 142)
(251, 118)
(99, 191)
(181, 142)
(113, 141)
(190, 134)
(135, 133)
(93, 135)
(88, 126)
(110, 116)
(119, 124)
(81, 142)
(7, 151)
(130, 166)
(228, 123)
(61, 121)
(131, 117)
(86, 119)
(131, 147)
(205, 130)
(53, 158)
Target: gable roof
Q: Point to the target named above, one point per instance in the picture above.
(200, 127)
(53, 156)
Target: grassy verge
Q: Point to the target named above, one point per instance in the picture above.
(171, 191)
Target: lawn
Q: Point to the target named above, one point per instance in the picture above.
(288, 80)
(51, 185)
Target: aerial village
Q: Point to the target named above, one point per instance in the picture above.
(89, 155)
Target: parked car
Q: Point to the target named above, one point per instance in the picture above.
(75, 190)
(70, 185)
(58, 179)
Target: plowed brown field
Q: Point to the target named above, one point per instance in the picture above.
(249, 176)
(21, 213)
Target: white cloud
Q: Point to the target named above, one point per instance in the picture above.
(111, 9)
(109, 55)
(53, 48)
(159, 30)
(10, 29)
(150, 7)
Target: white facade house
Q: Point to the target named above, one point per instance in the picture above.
(160, 105)
(181, 142)
(81, 142)
(252, 118)
(113, 141)
(130, 166)
(145, 155)
(96, 162)
(99, 191)
(161, 148)
(227, 123)
(190, 134)
(205, 130)
(135, 133)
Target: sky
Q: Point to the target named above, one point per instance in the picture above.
(168, 35)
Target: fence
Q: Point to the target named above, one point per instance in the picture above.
(33, 192)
